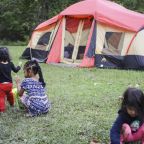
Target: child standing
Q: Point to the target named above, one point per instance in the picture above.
(34, 98)
(6, 66)
(128, 128)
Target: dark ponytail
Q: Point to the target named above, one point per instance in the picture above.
(41, 79)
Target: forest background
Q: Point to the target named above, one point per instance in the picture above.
(18, 18)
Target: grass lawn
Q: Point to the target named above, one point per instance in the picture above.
(84, 105)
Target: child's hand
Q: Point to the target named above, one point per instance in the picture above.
(17, 80)
(126, 131)
(94, 141)
(20, 64)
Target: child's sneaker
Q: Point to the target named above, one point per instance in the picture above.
(28, 115)
(2, 114)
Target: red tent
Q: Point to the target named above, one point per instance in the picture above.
(90, 26)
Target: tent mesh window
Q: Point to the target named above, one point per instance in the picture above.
(70, 36)
(84, 38)
(81, 51)
(113, 43)
(68, 51)
(43, 41)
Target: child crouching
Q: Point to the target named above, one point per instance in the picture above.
(128, 127)
(32, 91)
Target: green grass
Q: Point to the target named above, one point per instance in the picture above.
(84, 105)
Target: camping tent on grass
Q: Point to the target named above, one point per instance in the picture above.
(91, 33)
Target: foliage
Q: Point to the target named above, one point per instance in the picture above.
(136, 5)
(18, 18)
(84, 105)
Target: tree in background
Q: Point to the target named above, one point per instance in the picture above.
(18, 18)
(136, 5)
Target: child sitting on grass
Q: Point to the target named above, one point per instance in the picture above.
(128, 128)
(6, 67)
(34, 98)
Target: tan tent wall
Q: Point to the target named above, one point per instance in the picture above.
(137, 46)
(123, 44)
(127, 39)
(37, 35)
(70, 37)
(54, 31)
(84, 37)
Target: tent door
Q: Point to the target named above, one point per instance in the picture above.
(77, 42)
(71, 54)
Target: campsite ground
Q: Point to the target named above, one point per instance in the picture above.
(84, 105)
